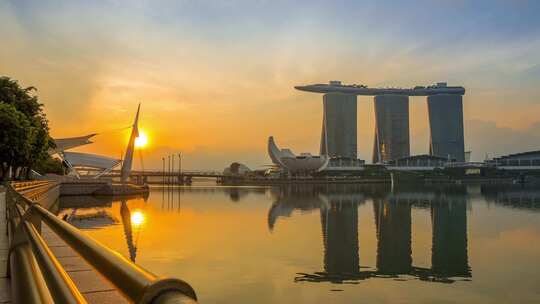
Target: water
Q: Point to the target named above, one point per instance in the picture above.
(330, 244)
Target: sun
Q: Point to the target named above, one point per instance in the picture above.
(137, 218)
(142, 140)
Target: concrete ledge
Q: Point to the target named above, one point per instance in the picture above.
(101, 188)
(85, 187)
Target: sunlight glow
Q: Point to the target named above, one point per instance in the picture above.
(142, 140)
(137, 218)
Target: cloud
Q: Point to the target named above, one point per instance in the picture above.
(220, 74)
(483, 137)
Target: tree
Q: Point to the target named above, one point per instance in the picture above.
(28, 151)
(15, 133)
(23, 100)
(50, 165)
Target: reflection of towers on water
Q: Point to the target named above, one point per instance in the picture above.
(393, 224)
(128, 232)
(340, 236)
(449, 249)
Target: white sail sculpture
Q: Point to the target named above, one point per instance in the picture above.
(286, 159)
(128, 158)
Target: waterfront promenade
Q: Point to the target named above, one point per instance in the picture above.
(5, 289)
(92, 286)
(54, 262)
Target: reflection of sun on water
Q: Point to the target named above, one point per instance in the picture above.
(141, 140)
(137, 218)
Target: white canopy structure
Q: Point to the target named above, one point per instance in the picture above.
(79, 162)
(89, 162)
(63, 144)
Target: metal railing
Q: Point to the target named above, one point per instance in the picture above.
(38, 277)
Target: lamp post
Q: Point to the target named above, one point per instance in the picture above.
(180, 162)
(163, 180)
(172, 169)
(169, 170)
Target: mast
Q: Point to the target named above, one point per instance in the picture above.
(128, 158)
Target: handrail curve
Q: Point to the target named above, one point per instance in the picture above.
(31, 252)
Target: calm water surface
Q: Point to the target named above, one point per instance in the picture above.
(330, 244)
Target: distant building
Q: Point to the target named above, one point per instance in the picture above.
(446, 126)
(417, 163)
(530, 160)
(339, 133)
(391, 128)
(236, 169)
(338, 138)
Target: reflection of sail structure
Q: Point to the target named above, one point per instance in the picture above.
(126, 221)
(128, 158)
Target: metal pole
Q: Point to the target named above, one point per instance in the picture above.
(180, 167)
(163, 180)
(180, 162)
(169, 171)
(172, 169)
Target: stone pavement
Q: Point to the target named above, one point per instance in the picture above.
(90, 283)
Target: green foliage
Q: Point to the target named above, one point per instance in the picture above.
(22, 98)
(50, 165)
(24, 131)
(15, 141)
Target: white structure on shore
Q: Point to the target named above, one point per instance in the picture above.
(82, 164)
(128, 158)
(286, 159)
(93, 165)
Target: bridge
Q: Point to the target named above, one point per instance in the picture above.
(166, 177)
(47, 260)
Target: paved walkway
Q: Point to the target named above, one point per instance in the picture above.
(92, 285)
(5, 288)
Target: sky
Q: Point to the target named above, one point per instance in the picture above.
(216, 78)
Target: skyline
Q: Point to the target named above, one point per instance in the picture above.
(217, 78)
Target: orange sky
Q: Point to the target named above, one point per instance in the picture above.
(217, 88)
